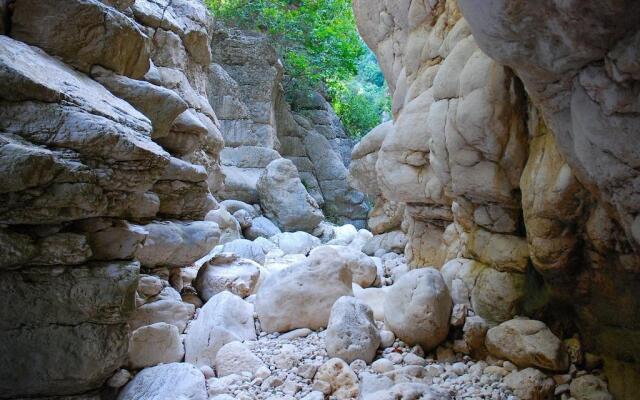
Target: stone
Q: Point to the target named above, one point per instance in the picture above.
(394, 241)
(301, 296)
(149, 285)
(295, 242)
(382, 365)
(261, 227)
(528, 343)
(386, 338)
(352, 333)
(223, 319)
(373, 297)
(171, 311)
(175, 380)
(154, 344)
(589, 387)
(119, 379)
(177, 244)
(229, 226)
(226, 271)
(530, 384)
(244, 248)
(417, 308)
(363, 269)
(342, 381)
(284, 199)
(116, 42)
(236, 358)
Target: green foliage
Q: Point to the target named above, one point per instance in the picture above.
(321, 49)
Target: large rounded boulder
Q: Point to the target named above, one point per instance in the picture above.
(417, 308)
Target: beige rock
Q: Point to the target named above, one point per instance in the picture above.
(417, 308)
(363, 268)
(342, 381)
(528, 343)
(589, 387)
(154, 344)
(285, 200)
(530, 384)
(301, 296)
(229, 227)
(223, 319)
(227, 271)
(171, 311)
(236, 358)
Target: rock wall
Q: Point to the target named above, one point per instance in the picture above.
(513, 146)
(108, 151)
(261, 123)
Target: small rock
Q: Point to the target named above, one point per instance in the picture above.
(119, 379)
(343, 382)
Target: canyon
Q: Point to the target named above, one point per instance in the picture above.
(177, 223)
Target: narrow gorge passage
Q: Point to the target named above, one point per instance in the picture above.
(319, 200)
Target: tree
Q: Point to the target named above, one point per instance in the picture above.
(320, 48)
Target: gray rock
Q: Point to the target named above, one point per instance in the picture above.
(175, 380)
(229, 272)
(285, 200)
(352, 333)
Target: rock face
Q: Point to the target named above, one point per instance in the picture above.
(109, 152)
(417, 308)
(285, 200)
(352, 333)
(509, 145)
(259, 126)
(302, 295)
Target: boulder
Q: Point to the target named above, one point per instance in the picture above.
(373, 297)
(229, 272)
(342, 381)
(530, 384)
(352, 333)
(528, 343)
(363, 268)
(295, 242)
(417, 308)
(236, 358)
(261, 227)
(284, 199)
(301, 296)
(177, 244)
(223, 319)
(229, 226)
(154, 344)
(589, 387)
(166, 381)
(390, 242)
(169, 310)
(244, 248)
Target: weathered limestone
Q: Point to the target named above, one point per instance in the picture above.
(302, 295)
(417, 308)
(528, 343)
(175, 380)
(285, 200)
(223, 319)
(352, 333)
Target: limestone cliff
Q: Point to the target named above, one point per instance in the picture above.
(513, 144)
(120, 120)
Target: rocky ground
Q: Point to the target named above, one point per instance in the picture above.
(299, 316)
